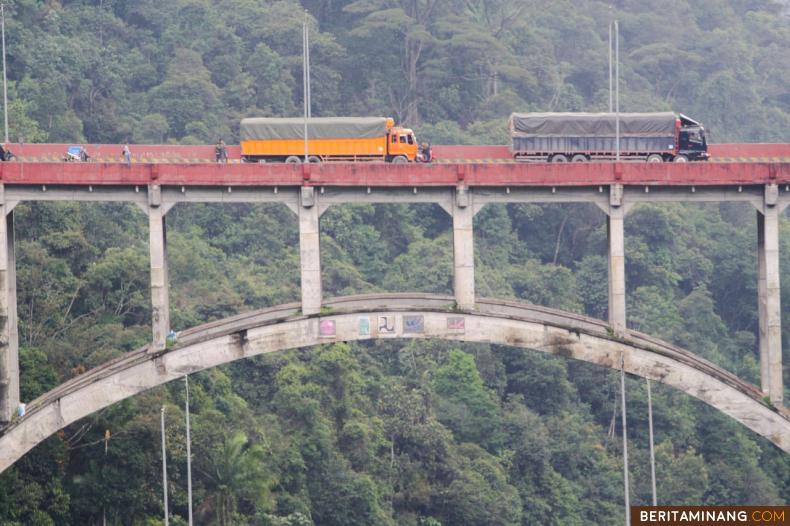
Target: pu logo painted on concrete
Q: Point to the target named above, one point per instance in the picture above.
(326, 328)
(364, 326)
(386, 325)
(456, 324)
(413, 324)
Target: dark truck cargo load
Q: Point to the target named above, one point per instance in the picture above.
(583, 136)
(592, 124)
(317, 128)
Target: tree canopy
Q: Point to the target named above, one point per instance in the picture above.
(395, 432)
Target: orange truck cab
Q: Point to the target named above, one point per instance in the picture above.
(401, 143)
(328, 139)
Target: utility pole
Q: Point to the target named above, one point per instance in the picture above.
(106, 443)
(164, 466)
(189, 451)
(617, 87)
(625, 440)
(610, 62)
(652, 452)
(306, 80)
(5, 83)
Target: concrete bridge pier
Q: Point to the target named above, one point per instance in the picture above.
(160, 280)
(310, 251)
(769, 300)
(9, 338)
(463, 250)
(616, 236)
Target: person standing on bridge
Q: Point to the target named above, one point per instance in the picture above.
(220, 152)
(5, 154)
(127, 155)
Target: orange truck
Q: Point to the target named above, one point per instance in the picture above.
(328, 139)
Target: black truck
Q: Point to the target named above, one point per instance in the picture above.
(581, 137)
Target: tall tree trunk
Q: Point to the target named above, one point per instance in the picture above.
(413, 51)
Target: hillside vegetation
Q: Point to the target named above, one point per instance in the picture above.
(413, 433)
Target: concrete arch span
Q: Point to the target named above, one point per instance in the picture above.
(393, 316)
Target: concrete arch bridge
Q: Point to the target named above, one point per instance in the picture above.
(461, 189)
(382, 316)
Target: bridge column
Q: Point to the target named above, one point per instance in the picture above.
(160, 280)
(616, 236)
(769, 300)
(9, 339)
(463, 251)
(310, 251)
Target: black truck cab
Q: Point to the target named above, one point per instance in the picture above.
(691, 141)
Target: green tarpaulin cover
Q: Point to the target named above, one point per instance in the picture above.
(592, 124)
(264, 128)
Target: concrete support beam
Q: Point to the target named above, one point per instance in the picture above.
(310, 251)
(769, 301)
(616, 236)
(160, 281)
(9, 338)
(463, 251)
(761, 299)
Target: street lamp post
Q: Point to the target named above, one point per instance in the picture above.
(625, 441)
(652, 451)
(306, 81)
(610, 60)
(189, 451)
(5, 87)
(617, 87)
(164, 467)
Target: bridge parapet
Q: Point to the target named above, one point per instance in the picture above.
(383, 175)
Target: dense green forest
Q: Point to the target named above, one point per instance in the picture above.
(412, 433)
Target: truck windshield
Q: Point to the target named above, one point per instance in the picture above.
(696, 136)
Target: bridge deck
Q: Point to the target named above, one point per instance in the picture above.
(732, 164)
(388, 175)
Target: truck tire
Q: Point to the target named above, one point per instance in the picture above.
(400, 159)
(681, 159)
(655, 158)
(559, 158)
(314, 159)
(293, 159)
(579, 158)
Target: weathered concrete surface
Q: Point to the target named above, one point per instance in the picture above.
(769, 297)
(405, 316)
(160, 282)
(9, 339)
(616, 235)
(765, 377)
(463, 252)
(310, 251)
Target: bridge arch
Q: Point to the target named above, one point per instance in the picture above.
(393, 316)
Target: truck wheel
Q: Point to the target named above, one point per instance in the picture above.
(655, 158)
(559, 158)
(681, 159)
(400, 159)
(293, 159)
(314, 159)
(579, 158)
